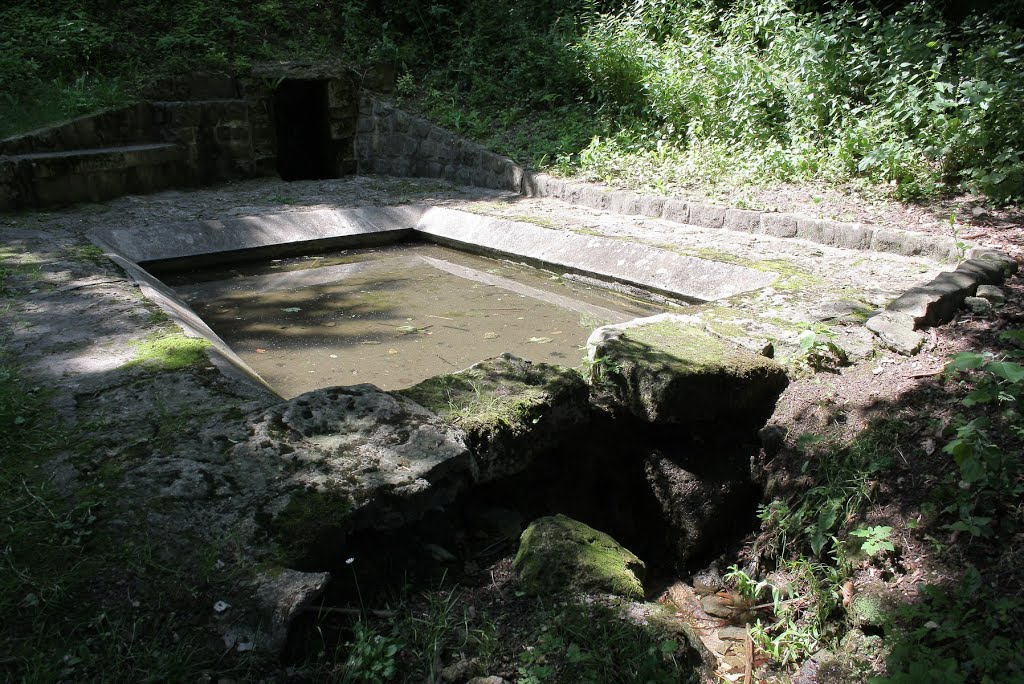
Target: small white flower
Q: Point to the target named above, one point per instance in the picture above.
(350, 561)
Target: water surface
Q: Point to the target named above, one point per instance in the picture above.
(394, 316)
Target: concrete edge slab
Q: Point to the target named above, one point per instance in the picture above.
(665, 272)
(222, 356)
(167, 242)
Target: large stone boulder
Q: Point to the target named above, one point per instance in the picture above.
(305, 473)
(354, 458)
(511, 410)
(669, 369)
(557, 553)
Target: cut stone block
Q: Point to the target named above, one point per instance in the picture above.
(510, 409)
(993, 294)
(895, 330)
(669, 369)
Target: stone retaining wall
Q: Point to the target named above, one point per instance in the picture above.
(115, 152)
(822, 231)
(392, 142)
(128, 125)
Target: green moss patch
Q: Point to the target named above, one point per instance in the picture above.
(669, 370)
(688, 348)
(502, 392)
(475, 403)
(558, 553)
(790, 275)
(170, 352)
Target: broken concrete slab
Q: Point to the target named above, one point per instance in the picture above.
(895, 330)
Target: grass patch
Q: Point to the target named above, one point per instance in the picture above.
(956, 634)
(840, 477)
(83, 600)
(591, 643)
(14, 266)
(52, 102)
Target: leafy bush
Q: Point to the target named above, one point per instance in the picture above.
(957, 634)
(903, 97)
(986, 491)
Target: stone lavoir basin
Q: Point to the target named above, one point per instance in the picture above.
(306, 300)
(406, 435)
(396, 315)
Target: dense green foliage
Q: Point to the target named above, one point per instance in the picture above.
(761, 90)
(650, 93)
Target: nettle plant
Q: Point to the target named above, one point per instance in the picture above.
(990, 475)
(819, 350)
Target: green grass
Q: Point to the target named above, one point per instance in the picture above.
(964, 632)
(52, 102)
(576, 643)
(84, 600)
(839, 490)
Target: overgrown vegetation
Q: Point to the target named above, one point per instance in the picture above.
(764, 91)
(652, 94)
(957, 632)
(567, 642)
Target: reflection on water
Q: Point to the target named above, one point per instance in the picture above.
(395, 316)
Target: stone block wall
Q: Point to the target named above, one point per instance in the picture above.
(142, 147)
(221, 139)
(343, 113)
(128, 125)
(392, 142)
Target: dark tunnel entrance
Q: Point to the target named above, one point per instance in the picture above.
(303, 130)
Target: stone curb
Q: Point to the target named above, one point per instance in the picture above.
(822, 231)
(919, 307)
(936, 302)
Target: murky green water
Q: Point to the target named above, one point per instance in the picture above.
(395, 316)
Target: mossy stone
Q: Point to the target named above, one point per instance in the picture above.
(869, 608)
(510, 409)
(557, 553)
(170, 352)
(669, 369)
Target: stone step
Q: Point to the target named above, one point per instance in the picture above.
(128, 125)
(41, 179)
